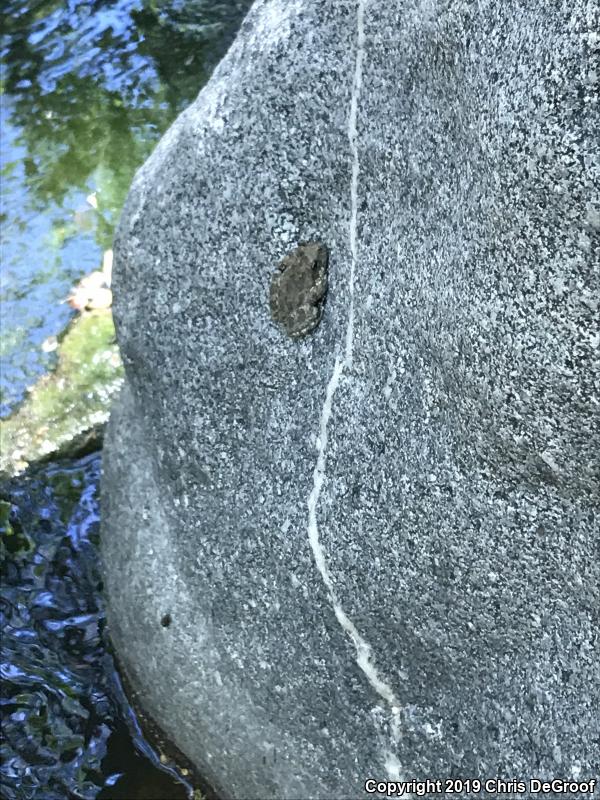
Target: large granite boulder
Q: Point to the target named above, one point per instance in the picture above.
(371, 552)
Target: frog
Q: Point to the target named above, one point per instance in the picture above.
(298, 289)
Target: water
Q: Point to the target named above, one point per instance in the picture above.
(40, 259)
(88, 88)
(68, 730)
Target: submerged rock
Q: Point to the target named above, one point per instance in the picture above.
(370, 553)
(65, 412)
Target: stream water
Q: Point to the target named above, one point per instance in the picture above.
(88, 88)
(68, 729)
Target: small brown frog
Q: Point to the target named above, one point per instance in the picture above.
(298, 289)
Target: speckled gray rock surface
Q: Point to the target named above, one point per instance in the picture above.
(379, 545)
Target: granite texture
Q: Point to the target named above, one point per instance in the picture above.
(378, 545)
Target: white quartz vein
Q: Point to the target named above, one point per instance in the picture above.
(363, 649)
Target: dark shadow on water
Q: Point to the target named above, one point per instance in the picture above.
(136, 782)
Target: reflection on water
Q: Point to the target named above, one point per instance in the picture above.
(68, 731)
(89, 87)
(42, 255)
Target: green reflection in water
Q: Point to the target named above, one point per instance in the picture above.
(94, 85)
(88, 89)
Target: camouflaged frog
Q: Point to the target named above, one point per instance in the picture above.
(298, 289)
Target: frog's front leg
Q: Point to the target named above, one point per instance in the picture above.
(318, 288)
